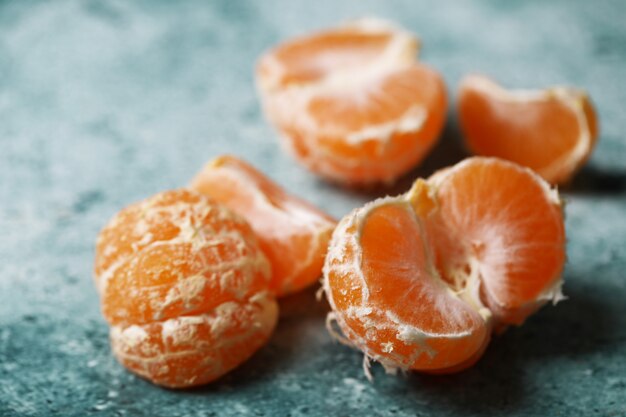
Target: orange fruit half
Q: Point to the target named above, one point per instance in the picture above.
(352, 103)
(499, 230)
(293, 234)
(420, 280)
(184, 285)
(552, 131)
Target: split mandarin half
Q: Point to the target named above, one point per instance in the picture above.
(419, 281)
(293, 234)
(352, 104)
(552, 131)
(185, 287)
(499, 228)
(387, 297)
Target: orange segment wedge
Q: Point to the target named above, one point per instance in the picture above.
(293, 234)
(500, 224)
(551, 131)
(420, 280)
(388, 297)
(185, 287)
(352, 103)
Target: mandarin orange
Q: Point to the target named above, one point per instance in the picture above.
(185, 287)
(419, 281)
(352, 103)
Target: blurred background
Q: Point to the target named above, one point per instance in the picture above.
(103, 103)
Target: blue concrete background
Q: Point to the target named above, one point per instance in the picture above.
(103, 103)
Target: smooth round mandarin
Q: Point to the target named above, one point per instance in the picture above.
(552, 131)
(419, 281)
(185, 287)
(351, 103)
(293, 234)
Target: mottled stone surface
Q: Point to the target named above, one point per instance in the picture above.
(106, 102)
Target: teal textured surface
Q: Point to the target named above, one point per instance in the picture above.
(103, 103)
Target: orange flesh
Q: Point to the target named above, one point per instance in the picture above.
(540, 132)
(293, 234)
(194, 350)
(359, 110)
(168, 281)
(397, 271)
(383, 150)
(310, 59)
(383, 100)
(180, 264)
(501, 216)
(479, 244)
(400, 312)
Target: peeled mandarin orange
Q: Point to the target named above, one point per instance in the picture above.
(293, 234)
(551, 131)
(419, 281)
(499, 228)
(387, 296)
(185, 287)
(352, 103)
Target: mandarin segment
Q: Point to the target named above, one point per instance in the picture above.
(503, 225)
(387, 297)
(419, 281)
(293, 234)
(552, 131)
(184, 285)
(365, 112)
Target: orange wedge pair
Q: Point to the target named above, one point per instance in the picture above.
(420, 280)
(352, 103)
